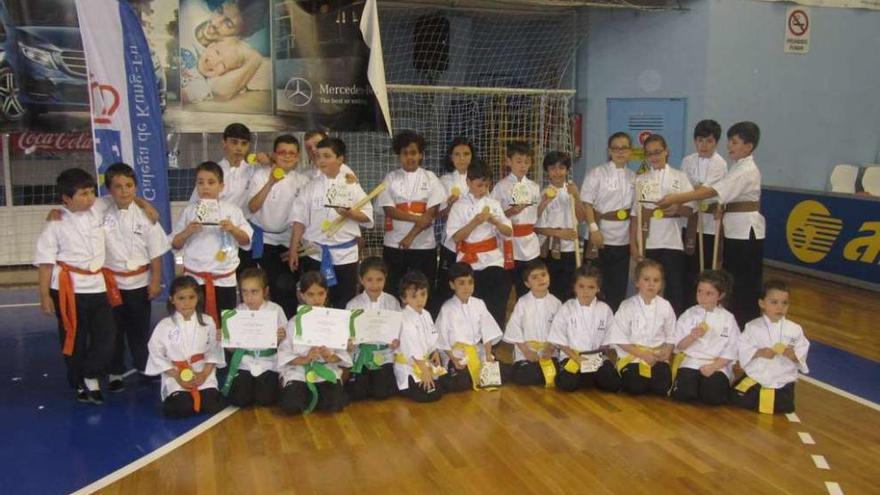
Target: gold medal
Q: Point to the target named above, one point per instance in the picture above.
(486, 209)
(455, 191)
(704, 327)
(220, 256)
(779, 348)
(704, 206)
(278, 173)
(550, 192)
(251, 158)
(658, 213)
(187, 375)
(311, 376)
(622, 214)
(325, 225)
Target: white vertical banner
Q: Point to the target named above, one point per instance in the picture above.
(376, 67)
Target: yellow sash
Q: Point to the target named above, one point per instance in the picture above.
(766, 396)
(417, 371)
(547, 367)
(644, 368)
(473, 363)
(572, 366)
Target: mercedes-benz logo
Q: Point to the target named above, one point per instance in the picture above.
(298, 91)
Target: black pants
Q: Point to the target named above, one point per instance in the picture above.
(492, 285)
(634, 383)
(442, 291)
(529, 373)
(561, 272)
(295, 397)
(417, 393)
(401, 261)
(613, 262)
(783, 403)
(346, 281)
(692, 267)
(744, 259)
(245, 260)
(133, 327)
(372, 384)
(282, 281)
(691, 385)
(673, 262)
(95, 337)
(606, 378)
(180, 404)
(247, 389)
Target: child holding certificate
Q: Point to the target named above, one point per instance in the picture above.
(184, 349)
(467, 331)
(310, 375)
(579, 329)
(252, 376)
(372, 374)
(417, 364)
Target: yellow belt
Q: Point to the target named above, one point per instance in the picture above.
(766, 397)
(473, 363)
(572, 366)
(417, 371)
(547, 367)
(644, 368)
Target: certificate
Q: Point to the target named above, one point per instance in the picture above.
(249, 329)
(327, 327)
(592, 361)
(208, 211)
(376, 326)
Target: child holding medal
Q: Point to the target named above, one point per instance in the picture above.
(457, 160)
(208, 233)
(580, 329)
(185, 350)
(706, 336)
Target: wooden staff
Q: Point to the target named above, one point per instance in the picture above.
(700, 235)
(719, 217)
(338, 222)
(577, 244)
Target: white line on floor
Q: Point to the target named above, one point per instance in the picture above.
(792, 417)
(806, 438)
(820, 462)
(842, 393)
(833, 488)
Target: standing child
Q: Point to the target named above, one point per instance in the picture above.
(744, 226)
(467, 331)
(557, 225)
(457, 160)
(703, 167)
(185, 350)
(311, 376)
(252, 376)
(580, 329)
(372, 374)
(706, 337)
(608, 194)
(643, 334)
(274, 191)
(772, 351)
(519, 198)
(528, 329)
(475, 223)
(325, 203)
(70, 254)
(132, 270)
(209, 251)
(410, 200)
(417, 364)
(661, 229)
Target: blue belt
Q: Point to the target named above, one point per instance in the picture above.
(327, 261)
(257, 243)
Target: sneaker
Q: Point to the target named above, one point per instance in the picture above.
(96, 397)
(82, 395)
(116, 386)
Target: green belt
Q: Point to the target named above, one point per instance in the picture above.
(366, 357)
(314, 371)
(235, 362)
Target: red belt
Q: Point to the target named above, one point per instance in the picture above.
(187, 365)
(113, 293)
(416, 207)
(67, 303)
(210, 294)
(472, 249)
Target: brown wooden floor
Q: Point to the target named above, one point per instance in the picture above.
(532, 440)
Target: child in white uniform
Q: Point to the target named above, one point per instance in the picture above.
(706, 341)
(459, 155)
(417, 364)
(185, 350)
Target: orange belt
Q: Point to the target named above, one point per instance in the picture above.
(519, 230)
(472, 249)
(113, 293)
(67, 303)
(210, 294)
(415, 207)
(187, 365)
(523, 229)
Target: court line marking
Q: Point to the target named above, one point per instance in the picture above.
(842, 393)
(161, 451)
(820, 462)
(793, 418)
(806, 438)
(833, 488)
(23, 305)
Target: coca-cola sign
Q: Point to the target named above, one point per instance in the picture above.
(36, 142)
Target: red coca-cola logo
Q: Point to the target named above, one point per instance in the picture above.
(31, 142)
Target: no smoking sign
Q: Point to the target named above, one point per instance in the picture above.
(797, 30)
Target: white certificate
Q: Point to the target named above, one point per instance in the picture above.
(326, 327)
(208, 211)
(250, 329)
(377, 326)
(592, 362)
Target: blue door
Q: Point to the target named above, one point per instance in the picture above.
(643, 116)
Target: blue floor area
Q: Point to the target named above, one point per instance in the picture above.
(52, 444)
